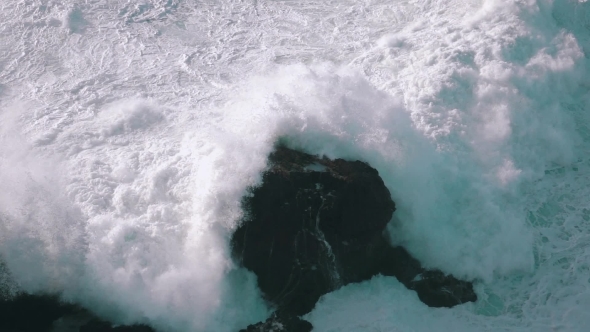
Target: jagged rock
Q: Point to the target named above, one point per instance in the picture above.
(434, 288)
(316, 224)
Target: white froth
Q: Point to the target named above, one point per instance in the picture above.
(130, 132)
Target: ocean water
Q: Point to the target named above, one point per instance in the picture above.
(129, 130)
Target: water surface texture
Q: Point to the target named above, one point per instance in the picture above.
(129, 131)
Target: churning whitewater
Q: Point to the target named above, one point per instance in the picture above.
(130, 130)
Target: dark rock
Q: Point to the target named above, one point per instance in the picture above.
(33, 313)
(43, 313)
(317, 224)
(278, 323)
(312, 226)
(434, 288)
(97, 325)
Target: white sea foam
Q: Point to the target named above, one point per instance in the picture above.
(130, 132)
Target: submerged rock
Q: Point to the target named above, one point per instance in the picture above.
(316, 224)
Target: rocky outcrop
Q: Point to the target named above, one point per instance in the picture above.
(316, 224)
(280, 323)
(433, 287)
(46, 313)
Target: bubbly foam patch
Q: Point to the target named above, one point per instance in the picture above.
(148, 245)
(391, 306)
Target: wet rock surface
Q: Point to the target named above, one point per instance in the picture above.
(316, 224)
